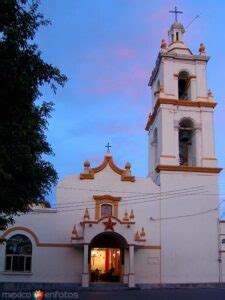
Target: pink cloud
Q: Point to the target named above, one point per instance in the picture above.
(111, 127)
(120, 81)
(123, 51)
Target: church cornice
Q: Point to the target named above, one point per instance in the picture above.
(171, 54)
(106, 197)
(187, 169)
(176, 102)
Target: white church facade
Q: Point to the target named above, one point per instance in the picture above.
(111, 226)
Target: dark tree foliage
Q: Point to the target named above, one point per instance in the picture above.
(25, 177)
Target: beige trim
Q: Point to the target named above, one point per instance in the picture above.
(20, 228)
(169, 94)
(149, 247)
(202, 97)
(58, 245)
(190, 77)
(112, 217)
(37, 242)
(209, 158)
(187, 169)
(167, 156)
(152, 247)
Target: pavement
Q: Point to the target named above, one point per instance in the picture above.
(156, 294)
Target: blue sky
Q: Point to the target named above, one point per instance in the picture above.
(108, 48)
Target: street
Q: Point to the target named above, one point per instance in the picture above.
(156, 294)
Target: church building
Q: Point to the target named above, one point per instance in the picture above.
(112, 226)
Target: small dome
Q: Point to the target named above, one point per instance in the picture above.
(86, 164)
(177, 25)
(128, 165)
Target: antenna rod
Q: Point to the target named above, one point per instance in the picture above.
(192, 21)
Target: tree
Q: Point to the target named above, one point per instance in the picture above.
(25, 176)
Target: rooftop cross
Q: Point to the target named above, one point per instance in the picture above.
(176, 12)
(108, 147)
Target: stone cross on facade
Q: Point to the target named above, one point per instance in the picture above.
(176, 12)
(108, 147)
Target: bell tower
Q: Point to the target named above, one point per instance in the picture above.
(181, 159)
(180, 127)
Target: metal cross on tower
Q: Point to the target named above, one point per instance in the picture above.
(176, 12)
(108, 147)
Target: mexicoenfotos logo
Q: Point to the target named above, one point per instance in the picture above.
(38, 295)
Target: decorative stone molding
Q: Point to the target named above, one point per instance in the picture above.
(163, 44)
(126, 216)
(138, 237)
(86, 214)
(142, 234)
(108, 160)
(75, 235)
(101, 219)
(132, 215)
(201, 49)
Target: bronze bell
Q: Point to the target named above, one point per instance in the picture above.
(184, 136)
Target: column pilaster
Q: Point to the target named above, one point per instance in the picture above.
(131, 280)
(85, 274)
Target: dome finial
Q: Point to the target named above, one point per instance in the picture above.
(201, 49)
(163, 44)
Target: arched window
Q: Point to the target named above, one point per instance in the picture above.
(187, 143)
(184, 88)
(106, 210)
(18, 254)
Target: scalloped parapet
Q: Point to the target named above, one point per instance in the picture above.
(108, 160)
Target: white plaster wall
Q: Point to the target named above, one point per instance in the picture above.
(223, 267)
(222, 250)
(189, 244)
(201, 79)
(64, 264)
(147, 266)
(49, 264)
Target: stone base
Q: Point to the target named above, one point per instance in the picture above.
(131, 280)
(85, 280)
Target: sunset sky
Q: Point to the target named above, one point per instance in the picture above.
(108, 48)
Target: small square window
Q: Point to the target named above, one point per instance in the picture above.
(106, 210)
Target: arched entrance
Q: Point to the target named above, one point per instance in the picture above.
(106, 257)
